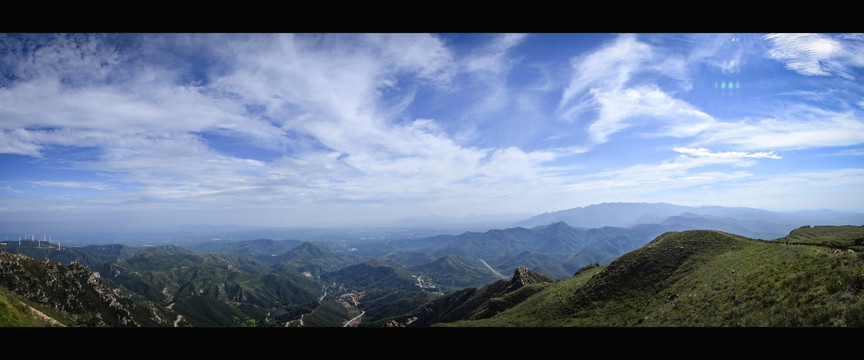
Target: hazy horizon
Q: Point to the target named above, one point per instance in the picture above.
(313, 129)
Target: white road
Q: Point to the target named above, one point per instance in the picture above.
(353, 320)
(493, 270)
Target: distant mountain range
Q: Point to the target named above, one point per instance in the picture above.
(652, 257)
(750, 222)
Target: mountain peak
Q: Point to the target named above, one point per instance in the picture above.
(523, 276)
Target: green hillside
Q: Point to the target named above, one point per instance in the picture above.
(704, 279)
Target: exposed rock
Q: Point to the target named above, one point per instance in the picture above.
(393, 323)
(73, 290)
(522, 276)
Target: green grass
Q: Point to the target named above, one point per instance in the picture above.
(705, 279)
(13, 313)
(771, 286)
(16, 312)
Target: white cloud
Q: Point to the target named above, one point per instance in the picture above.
(338, 91)
(603, 82)
(798, 127)
(619, 110)
(703, 152)
(486, 69)
(645, 178)
(75, 59)
(818, 54)
(18, 141)
(609, 68)
(72, 184)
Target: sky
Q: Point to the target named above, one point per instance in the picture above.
(357, 128)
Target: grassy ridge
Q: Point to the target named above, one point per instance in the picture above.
(841, 237)
(704, 279)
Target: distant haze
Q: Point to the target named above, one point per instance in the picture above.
(750, 222)
(147, 131)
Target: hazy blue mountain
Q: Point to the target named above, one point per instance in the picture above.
(689, 221)
(750, 222)
(608, 214)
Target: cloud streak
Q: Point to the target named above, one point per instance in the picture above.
(703, 152)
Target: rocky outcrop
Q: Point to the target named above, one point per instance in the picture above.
(74, 290)
(523, 276)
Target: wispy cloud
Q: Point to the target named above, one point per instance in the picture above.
(797, 127)
(622, 109)
(18, 141)
(608, 68)
(604, 93)
(703, 152)
(818, 54)
(72, 184)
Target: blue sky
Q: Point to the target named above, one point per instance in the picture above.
(307, 129)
